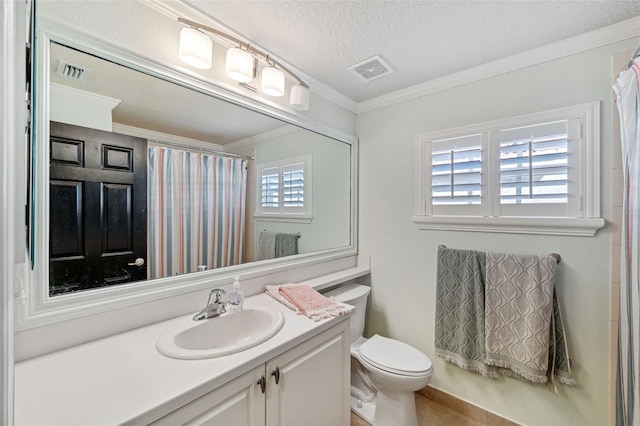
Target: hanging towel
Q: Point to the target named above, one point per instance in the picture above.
(307, 301)
(459, 324)
(286, 245)
(520, 317)
(559, 357)
(499, 314)
(267, 245)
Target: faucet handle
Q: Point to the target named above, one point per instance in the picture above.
(215, 295)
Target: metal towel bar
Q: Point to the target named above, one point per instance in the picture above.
(556, 256)
(298, 234)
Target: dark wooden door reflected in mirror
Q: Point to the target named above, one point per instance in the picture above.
(98, 208)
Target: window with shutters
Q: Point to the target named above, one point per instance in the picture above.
(285, 189)
(538, 173)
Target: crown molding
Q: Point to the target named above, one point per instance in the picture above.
(601, 37)
(79, 95)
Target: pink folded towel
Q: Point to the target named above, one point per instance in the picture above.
(307, 301)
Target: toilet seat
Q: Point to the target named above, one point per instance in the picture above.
(394, 357)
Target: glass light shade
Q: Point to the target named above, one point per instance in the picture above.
(239, 65)
(272, 81)
(299, 97)
(196, 49)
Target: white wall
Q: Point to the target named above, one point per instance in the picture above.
(404, 258)
(331, 202)
(12, 121)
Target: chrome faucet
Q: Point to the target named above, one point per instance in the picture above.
(215, 305)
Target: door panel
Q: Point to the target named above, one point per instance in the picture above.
(309, 384)
(98, 208)
(237, 403)
(67, 234)
(117, 215)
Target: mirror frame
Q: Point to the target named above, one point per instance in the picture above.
(41, 309)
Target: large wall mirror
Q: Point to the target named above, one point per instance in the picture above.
(147, 181)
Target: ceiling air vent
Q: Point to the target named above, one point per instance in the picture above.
(72, 71)
(371, 68)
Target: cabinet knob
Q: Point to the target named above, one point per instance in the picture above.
(276, 373)
(263, 383)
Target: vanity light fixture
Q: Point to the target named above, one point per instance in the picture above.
(299, 97)
(195, 48)
(242, 63)
(272, 81)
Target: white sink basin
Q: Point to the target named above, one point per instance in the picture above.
(222, 335)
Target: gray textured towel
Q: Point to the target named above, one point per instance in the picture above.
(286, 245)
(559, 352)
(498, 313)
(459, 325)
(518, 313)
(267, 245)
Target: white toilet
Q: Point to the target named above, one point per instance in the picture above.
(385, 373)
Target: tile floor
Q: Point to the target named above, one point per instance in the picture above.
(431, 413)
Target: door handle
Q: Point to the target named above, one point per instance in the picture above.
(139, 262)
(263, 383)
(276, 373)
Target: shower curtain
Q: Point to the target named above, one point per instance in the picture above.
(627, 89)
(197, 205)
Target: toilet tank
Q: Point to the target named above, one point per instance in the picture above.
(355, 295)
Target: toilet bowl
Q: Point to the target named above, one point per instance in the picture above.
(385, 372)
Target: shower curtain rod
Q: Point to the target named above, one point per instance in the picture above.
(633, 58)
(201, 149)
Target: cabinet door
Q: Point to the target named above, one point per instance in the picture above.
(313, 382)
(240, 402)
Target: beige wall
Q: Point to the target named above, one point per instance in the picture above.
(404, 258)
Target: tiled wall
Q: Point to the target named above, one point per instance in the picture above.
(614, 216)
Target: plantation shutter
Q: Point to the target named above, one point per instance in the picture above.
(293, 186)
(535, 168)
(456, 175)
(270, 189)
(285, 188)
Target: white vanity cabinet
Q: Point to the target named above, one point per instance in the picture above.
(306, 385)
(239, 402)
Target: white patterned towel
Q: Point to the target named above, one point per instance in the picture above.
(519, 293)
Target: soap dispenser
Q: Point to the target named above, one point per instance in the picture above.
(236, 297)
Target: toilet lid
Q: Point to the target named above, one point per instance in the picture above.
(394, 356)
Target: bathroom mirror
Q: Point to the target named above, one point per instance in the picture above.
(171, 114)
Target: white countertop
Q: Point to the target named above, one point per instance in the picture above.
(123, 379)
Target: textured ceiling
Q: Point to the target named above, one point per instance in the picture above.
(422, 40)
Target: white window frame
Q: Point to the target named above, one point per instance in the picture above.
(583, 217)
(282, 213)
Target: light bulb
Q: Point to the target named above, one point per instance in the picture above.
(299, 97)
(272, 81)
(195, 48)
(239, 65)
